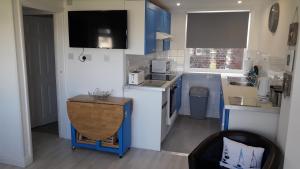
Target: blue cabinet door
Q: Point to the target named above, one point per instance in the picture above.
(167, 29)
(150, 29)
(221, 108)
(160, 26)
(157, 20)
(178, 93)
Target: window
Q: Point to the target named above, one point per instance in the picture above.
(210, 58)
(217, 40)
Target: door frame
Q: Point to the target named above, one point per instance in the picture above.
(40, 115)
(22, 76)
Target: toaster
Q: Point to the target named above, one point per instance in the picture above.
(136, 77)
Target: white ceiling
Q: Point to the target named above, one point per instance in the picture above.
(192, 5)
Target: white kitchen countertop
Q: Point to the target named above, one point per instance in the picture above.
(150, 88)
(246, 92)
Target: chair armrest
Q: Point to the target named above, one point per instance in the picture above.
(195, 158)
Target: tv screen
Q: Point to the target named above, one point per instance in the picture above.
(98, 29)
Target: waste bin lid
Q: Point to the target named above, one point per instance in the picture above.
(199, 91)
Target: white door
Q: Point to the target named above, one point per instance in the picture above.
(40, 58)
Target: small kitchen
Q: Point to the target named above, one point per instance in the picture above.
(244, 82)
(150, 84)
(188, 79)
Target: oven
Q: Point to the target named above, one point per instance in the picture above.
(172, 114)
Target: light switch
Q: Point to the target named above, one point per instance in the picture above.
(70, 56)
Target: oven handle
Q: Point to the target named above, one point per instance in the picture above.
(173, 87)
(164, 105)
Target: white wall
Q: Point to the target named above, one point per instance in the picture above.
(11, 132)
(291, 160)
(105, 70)
(47, 5)
(276, 45)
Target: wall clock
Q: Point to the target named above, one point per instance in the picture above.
(274, 17)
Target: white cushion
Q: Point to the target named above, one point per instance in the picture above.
(240, 156)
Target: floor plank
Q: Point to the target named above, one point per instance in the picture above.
(51, 152)
(187, 133)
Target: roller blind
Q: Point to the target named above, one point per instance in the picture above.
(217, 30)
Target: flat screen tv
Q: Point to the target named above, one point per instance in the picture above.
(98, 29)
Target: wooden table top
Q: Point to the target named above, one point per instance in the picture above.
(110, 100)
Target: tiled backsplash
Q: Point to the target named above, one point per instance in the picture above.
(177, 57)
(143, 62)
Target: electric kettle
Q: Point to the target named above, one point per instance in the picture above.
(263, 86)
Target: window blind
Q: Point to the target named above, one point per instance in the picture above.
(217, 30)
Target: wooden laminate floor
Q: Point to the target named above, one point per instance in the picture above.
(51, 128)
(51, 152)
(187, 133)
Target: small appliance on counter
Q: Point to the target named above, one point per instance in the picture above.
(136, 77)
(248, 64)
(252, 75)
(263, 89)
(161, 66)
(263, 86)
(276, 95)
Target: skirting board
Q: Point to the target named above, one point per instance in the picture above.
(212, 115)
(14, 162)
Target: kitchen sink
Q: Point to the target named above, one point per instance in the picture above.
(239, 81)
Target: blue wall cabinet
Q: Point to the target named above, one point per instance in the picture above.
(167, 29)
(150, 30)
(178, 93)
(122, 137)
(157, 20)
(160, 27)
(142, 37)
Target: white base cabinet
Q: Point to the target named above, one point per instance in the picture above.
(263, 123)
(146, 118)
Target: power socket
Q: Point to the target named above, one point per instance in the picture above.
(88, 57)
(84, 58)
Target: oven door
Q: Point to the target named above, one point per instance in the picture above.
(172, 103)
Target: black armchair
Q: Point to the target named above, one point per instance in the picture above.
(209, 152)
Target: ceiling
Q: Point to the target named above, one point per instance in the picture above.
(192, 5)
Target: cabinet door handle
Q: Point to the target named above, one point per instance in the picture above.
(164, 105)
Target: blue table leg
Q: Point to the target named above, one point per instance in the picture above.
(73, 135)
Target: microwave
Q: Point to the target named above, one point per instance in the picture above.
(161, 66)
